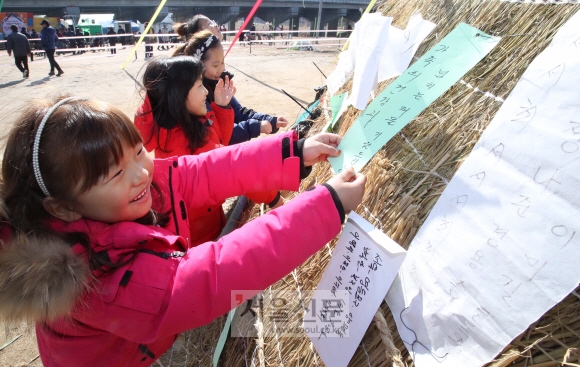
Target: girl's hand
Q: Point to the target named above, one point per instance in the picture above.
(318, 147)
(281, 122)
(224, 91)
(265, 127)
(350, 188)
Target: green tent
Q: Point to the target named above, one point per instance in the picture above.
(91, 28)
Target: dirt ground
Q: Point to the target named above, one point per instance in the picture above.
(260, 77)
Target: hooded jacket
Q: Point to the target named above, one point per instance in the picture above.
(207, 222)
(131, 315)
(48, 38)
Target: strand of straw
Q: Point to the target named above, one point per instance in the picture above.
(368, 211)
(422, 160)
(276, 330)
(368, 357)
(485, 94)
(295, 276)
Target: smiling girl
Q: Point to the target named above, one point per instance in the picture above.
(95, 241)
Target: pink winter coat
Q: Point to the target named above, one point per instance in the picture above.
(134, 313)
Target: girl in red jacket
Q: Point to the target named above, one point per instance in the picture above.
(175, 120)
(98, 253)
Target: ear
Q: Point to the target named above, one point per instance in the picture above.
(60, 209)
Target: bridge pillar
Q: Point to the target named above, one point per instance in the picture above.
(278, 15)
(353, 15)
(223, 14)
(143, 14)
(331, 16)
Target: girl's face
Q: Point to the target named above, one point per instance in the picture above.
(124, 194)
(196, 97)
(214, 64)
(210, 25)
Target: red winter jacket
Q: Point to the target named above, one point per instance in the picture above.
(132, 314)
(206, 223)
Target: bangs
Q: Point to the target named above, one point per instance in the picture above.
(96, 134)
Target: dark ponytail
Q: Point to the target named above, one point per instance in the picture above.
(190, 27)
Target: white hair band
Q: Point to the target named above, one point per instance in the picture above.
(35, 147)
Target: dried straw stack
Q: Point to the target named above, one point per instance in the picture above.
(407, 176)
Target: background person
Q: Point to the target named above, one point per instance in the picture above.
(48, 40)
(112, 40)
(18, 44)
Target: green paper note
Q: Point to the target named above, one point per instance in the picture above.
(336, 105)
(305, 114)
(223, 338)
(407, 96)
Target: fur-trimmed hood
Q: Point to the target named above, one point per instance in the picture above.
(41, 279)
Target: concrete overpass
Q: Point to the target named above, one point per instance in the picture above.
(223, 11)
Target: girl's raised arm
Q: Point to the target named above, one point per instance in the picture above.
(211, 177)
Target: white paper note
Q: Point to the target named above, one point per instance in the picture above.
(375, 39)
(371, 40)
(501, 245)
(402, 46)
(345, 66)
(363, 266)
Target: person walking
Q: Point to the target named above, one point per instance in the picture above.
(121, 30)
(25, 32)
(48, 40)
(148, 42)
(163, 39)
(81, 42)
(33, 44)
(18, 43)
(113, 41)
(72, 42)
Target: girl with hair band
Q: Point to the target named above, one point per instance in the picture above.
(95, 237)
(176, 120)
(248, 123)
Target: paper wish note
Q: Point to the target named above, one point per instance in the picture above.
(338, 105)
(371, 40)
(408, 95)
(500, 247)
(364, 263)
(402, 46)
(345, 67)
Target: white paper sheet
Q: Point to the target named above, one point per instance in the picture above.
(371, 40)
(345, 66)
(363, 265)
(402, 46)
(501, 245)
(375, 39)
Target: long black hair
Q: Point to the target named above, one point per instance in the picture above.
(167, 82)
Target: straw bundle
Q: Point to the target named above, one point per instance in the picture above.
(407, 176)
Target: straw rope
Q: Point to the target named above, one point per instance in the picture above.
(391, 351)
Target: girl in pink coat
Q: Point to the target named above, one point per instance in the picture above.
(95, 240)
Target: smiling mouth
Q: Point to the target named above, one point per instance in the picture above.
(139, 196)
